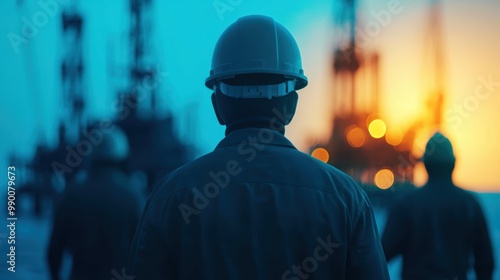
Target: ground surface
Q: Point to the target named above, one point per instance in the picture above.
(32, 236)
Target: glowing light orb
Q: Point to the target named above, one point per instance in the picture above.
(377, 128)
(384, 179)
(394, 136)
(321, 154)
(356, 137)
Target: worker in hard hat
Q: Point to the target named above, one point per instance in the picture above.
(439, 227)
(256, 207)
(95, 223)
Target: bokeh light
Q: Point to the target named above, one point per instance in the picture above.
(321, 154)
(394, 136)
(377, 128)
(384, 179)
(371, 117)
(355, 137)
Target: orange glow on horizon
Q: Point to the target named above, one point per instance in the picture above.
(473, 131)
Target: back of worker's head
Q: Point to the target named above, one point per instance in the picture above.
(256, 70)
(112, 150)
(438, 158)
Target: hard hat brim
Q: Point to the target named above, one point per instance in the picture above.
(214, 79)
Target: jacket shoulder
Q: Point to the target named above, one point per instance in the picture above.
(182, 177)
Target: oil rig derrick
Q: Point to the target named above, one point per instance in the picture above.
(155, 146)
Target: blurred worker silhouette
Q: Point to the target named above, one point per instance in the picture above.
(439, 227)
(256, 207)
(95, 223)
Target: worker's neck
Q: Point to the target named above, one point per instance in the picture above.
(440, 180)
(256, 123)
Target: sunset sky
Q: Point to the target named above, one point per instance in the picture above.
(184, 38)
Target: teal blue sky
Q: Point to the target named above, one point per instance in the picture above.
(183, 37)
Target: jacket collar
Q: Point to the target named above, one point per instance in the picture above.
(258, 136)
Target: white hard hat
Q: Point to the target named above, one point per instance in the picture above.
(256, 45)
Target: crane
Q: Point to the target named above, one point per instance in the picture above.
(361, 143)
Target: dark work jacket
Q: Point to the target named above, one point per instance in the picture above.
(438, 229)
(257, 208)
(95, 223)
